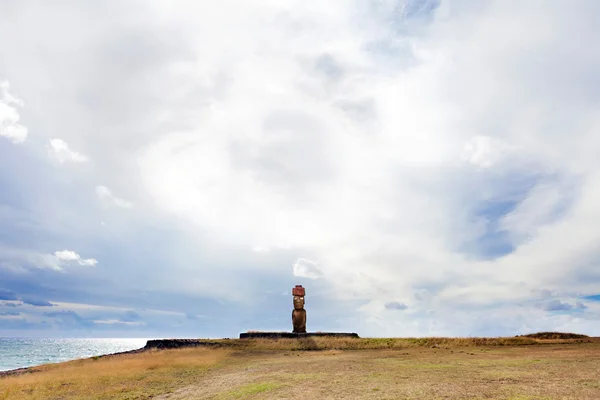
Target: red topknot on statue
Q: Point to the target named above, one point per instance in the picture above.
(298, 291)
(299, 313)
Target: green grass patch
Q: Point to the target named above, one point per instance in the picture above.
(251, 389)
(595, 385)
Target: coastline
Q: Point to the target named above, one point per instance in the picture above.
(152, 344)
(34, 368)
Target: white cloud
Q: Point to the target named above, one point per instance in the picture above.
(106, 196)
(484, 151)
(22, 259)
(343, 131)
(59, 149)
(10, 127)
(260, 249)
(69, 256)
(307, 269)
(381, 196)
(118, 322)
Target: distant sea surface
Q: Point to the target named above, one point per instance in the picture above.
(19, 353)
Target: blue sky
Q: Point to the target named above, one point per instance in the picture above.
(175, 168)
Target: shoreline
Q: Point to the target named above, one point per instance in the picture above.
(32, 369)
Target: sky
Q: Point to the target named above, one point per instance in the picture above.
(422, 167)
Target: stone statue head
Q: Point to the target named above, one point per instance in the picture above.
(298, 302)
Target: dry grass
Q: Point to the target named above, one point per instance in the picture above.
(135, 376)
(507, 373)
(433, 368)
(345, 343)
(554, 335)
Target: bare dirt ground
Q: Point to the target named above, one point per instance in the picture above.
(515, 373)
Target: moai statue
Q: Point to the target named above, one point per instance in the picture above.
(299, 313)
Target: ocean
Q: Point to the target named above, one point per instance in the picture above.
(26, 352)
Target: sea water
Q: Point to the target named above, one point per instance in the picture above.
(28, 352)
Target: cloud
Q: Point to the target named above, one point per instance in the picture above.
(484, 151)
(307, 269)
(557, 305)
(404, 214)
(32, 301)
(411, 150)
(69, 256)
(10, 314)
(193, 317)
(59, 150)
(117, 322)
(10, 127)
(395, 305)
(6, 294)
(25, 259)
(131, 316)
(68, 319)
(106, 196)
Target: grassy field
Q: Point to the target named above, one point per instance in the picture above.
(433, 368)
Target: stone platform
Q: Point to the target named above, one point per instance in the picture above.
(290, 335)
